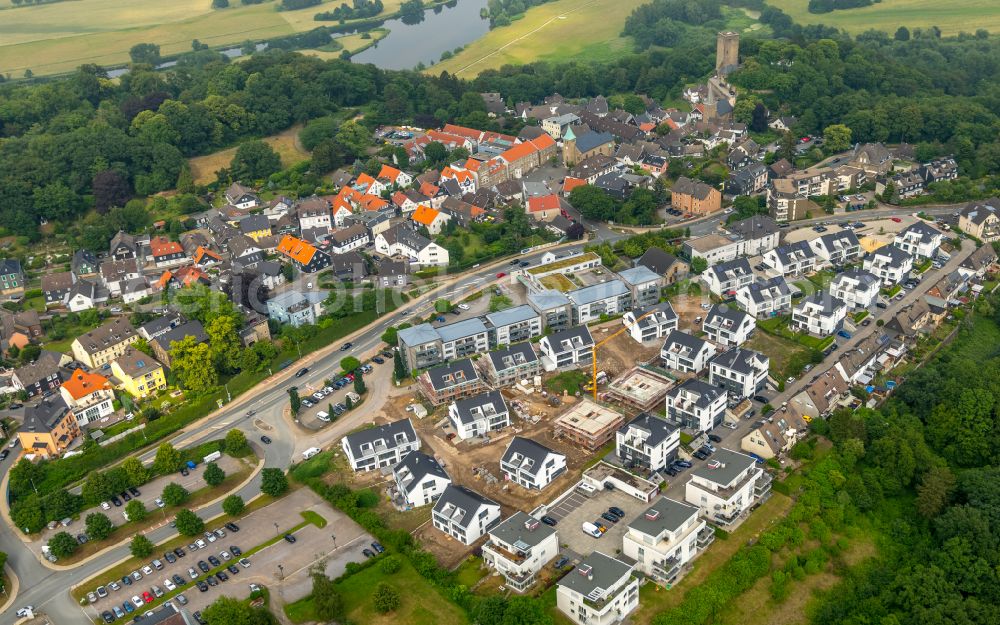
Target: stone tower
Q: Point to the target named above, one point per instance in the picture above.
(727, 52)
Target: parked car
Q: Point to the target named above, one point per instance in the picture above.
(193, 574)
(222, 577)
(266, 440)
(236, 551)
(177, 579)
(181, 599)
(377, 546)
(700, 455)
(106, 615)
(844, 334)
(202, 586)
(549, 521)
(115, 500)
(290, 538)
(561, 562)
(245, 563)
(204, 566)
(607, 516)
(214, 561)
(169, 557)
(232, 527)
(378, 360)
(212, 581)
(232, 569)
(368, 553)
(618, 512)
(715, 438)
(148, 596)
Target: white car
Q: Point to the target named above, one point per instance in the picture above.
(225, 556)
(105, 505)
(147, 570)
(221, 533)
(200, 543)
(254, 588)
(193, 573)
(213, 538)
(26, 610)
(169, 584)
(463, 307)
(245, 563)
(159, 503)
(137, 601)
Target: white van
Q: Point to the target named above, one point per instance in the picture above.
(309, 453)
(587, 488)
(323, 416)
(591, 529)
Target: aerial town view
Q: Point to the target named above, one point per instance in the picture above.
(500, 312)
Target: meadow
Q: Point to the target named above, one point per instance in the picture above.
(286, 144)
(952, 17)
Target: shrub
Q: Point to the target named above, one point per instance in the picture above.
(385, 599)
(390, 565)
(213, 474)
(273, 482)
(62, 545)
(233, 505)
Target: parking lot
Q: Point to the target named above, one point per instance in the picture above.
(309, 414)
(576, 508)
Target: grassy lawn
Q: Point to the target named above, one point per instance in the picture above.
(860, 316)
(822, 279)
(778, 326)
(421, 603)
(787, 357)
(286, 144)
(470, 572)
(567, 381)
(500, 302)
(890, 292)
(951, 17)
(558, 282)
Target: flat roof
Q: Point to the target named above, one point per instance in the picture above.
(590, 417)
(730, 465)
(710, 242)
(564, 262)
(641, 385)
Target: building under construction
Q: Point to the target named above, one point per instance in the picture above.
(643, 388)
(588, 424)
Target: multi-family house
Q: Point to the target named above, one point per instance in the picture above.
(303, 255)
(820, 397)
(40, 377)
(647, 441)
(531, 464)
(856, 288)
(513, 325)
(728, 325)
(694, 196)
(89, 395)
(686, 353)
(696, 405)
(139, 374)
(644, 284)
(403, 241)
(11, 278)
(728, 277)
(755, 234)
(518, 548)
(662, 263)
(509, 365)
(606, 298)
(742, 372)
(819, 314)
(85, 264)
(450, 382)
(56, 287)
(567, 348)
(464, 514)
(420, 479)
(464, 338)
(349, 238)
(652, 323)
(791, 259)
(104, 343)
(554, 307)
(981, 219)
(601, 590)
(919, 240)
(714, 248)
(748, 180)
(727, 486)
(765, 298)
(420, 346)
(837, 248)
(162, 344)
(123, 246)
(166, 253)
(314, 213)
(478, 415)
(889, 263)
(49, 428)
(382, 446)
(665, 538)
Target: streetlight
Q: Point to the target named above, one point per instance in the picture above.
(281, 572)
(334, 537)
(275, 528)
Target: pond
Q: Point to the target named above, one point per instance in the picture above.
(443, 28)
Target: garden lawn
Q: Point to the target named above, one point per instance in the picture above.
(787, 358)
(286, 144)
(951, 17)
(568, 381)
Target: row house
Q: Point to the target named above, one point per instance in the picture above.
(686, 353)
(748, 180)
(765, 298)
(696, 405)
(650, 324)
(507, 366)
(819, 314)
(382, 446)
(479, 415)
(726, 487)
(728, 326)
(742, 372)
(647, 441)
(450, 382)
(530, 464)
(104, 343)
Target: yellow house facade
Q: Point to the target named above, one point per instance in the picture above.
(139, 375)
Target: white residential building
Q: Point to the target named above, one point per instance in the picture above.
(665, 538)
(518, 548)
(765, 298)
(919, 239)
(349, 238)
(650, 324)
(837, 248)
(531, 464)
(758, 234)
(601, 590)
(742, 372)
(405, 242)
(513, 325)
(685, 353)
(567, 349)
(857, 289)
(606, 298)
(726, 486)
(696, 405)
(647, 441)
(728, 277)
(504, 367)
(791, 259)
(891, 264)
(381, 446)
(420, 479)
(728, 325)
(464, 514)
(464, 338)
(819, 314)
(478, 415)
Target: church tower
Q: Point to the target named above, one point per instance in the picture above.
(727, 52)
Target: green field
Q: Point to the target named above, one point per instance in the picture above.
(54, 38)
(951, 17)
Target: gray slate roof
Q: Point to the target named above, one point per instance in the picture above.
(461, 504)
(527, 454)
(657, 428)
(452, 374)
(385, 433)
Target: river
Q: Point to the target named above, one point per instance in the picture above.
(443, 28)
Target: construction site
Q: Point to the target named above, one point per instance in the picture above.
(642, 388)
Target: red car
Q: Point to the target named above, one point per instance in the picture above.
(896, 219)
(500, 275)
(147, 597)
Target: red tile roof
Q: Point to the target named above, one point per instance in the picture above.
(82, 383)
(162, 246)
(296, 249)
(571, 183)
(543, 203)
(425, 215)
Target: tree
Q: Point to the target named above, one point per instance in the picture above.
(62, 545)
(99, 526)
(399, 370)
(189, 523)
(758, 119)
(140, 547)
(146, 53)
(96, 488)
(230, 611)
(576, 231)
(137, 473)
(192, 363)
(220, 4)
(902, 34)
(354, 138)
(934, 491)
(836, 138)
(698, 265)
(27, 513)
(385, 599)
(233, 505)
(273, 482)
(136, 510)
(110, 188)
(359, 384)
(235, 443)
(174, 494)
(213, 474)
(435, 153)
(327, 601)
(327, 156)
(254, 160)
(592, 202)
(167, 460)
(349, 364)
(224, 341)
(294, 402)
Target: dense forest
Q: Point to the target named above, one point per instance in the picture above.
(825, 6)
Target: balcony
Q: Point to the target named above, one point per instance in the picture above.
(668, 569)
(706, 537)
(510, 556)
(763, 484)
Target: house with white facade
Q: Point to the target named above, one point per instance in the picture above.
(791, 259)
(726, 486)
(478, 415)
(650, 324)
(404, 242)
(350, 238)
(696, 405)
(464, 514)
(728, 325)
(518, 548)
(644, 284)
(686, 353)
(891, 264)
(89, 395)
(857, 289)
(420, 479)
(606, 298)
(665, 538)
(837, 248)
(647, 441)
(504, 367)
(601, 590)
(819, 314)
(757, 234)
(728, 277)
(742, 372)
(381, 446)
(464, 338)
(765, 298)
(919, 240)
(513, 325)
(567, 349)
(531, 464)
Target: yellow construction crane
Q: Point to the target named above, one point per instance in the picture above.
(593, 350)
